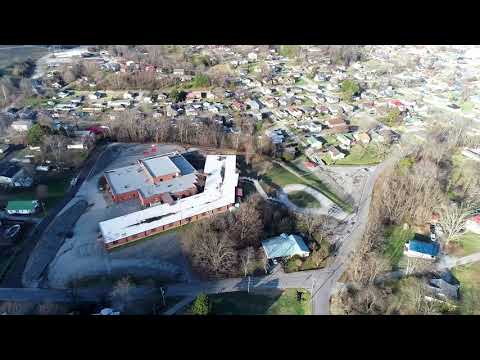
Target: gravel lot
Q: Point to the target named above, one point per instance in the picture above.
(84, 256)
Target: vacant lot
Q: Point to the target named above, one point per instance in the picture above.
(10, 54)
(282, 177)
(275, 302)
(361, 155)
(303, 199)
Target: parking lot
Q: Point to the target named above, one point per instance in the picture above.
(83, 256)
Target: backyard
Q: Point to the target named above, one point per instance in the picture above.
(274, 302)
(396, 238)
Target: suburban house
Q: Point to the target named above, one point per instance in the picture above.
(314, 142)
(252, 56)
(285, 246)
(4, 148)
(22, 207)
(218, 195)
(199, 95)
(344, 141)
(334, 153)
(22, 125)
(473, 224)
(445, 288)
(13, 175)
(337, 124)
(362, 137)
(422, 247)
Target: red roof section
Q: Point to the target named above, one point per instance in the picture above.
(310, 165)
(476, 218)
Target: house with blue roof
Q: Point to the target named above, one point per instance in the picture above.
(422, 247)
(285, 246)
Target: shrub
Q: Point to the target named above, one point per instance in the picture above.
(293, 264)
(201, 305)
(349, 89)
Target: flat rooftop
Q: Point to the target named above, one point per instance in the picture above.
(132, 177)
(219, 191)
(160, 166)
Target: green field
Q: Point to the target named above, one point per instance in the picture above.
(396, 239)
(468, 275)
(360, 155)
(469, 244)
(278, 175)
(469, 278)
(303, 199)
(282, 177)
(273, 302)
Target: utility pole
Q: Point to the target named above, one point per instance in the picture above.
(248, 286)
(312, 293)
(162, 292)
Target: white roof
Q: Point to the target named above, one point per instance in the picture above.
(219, 191)
(160, 165)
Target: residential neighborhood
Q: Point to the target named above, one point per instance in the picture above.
(193, 177)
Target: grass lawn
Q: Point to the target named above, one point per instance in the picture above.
(469, 244)
(360, 155)
(468, 275)
(282, 177)
(278, 175)
(466, 106)
(330, 139)
(303, 199)
(273, 302)
(396, 239)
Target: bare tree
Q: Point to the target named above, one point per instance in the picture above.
(121, 293)
(453, 218)
(55, 145)
(248, 225)
(212, 252)
(263, 258)
(246, 257)
(309, 223)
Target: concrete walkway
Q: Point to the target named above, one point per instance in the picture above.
(449, 262)
(178, 306)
